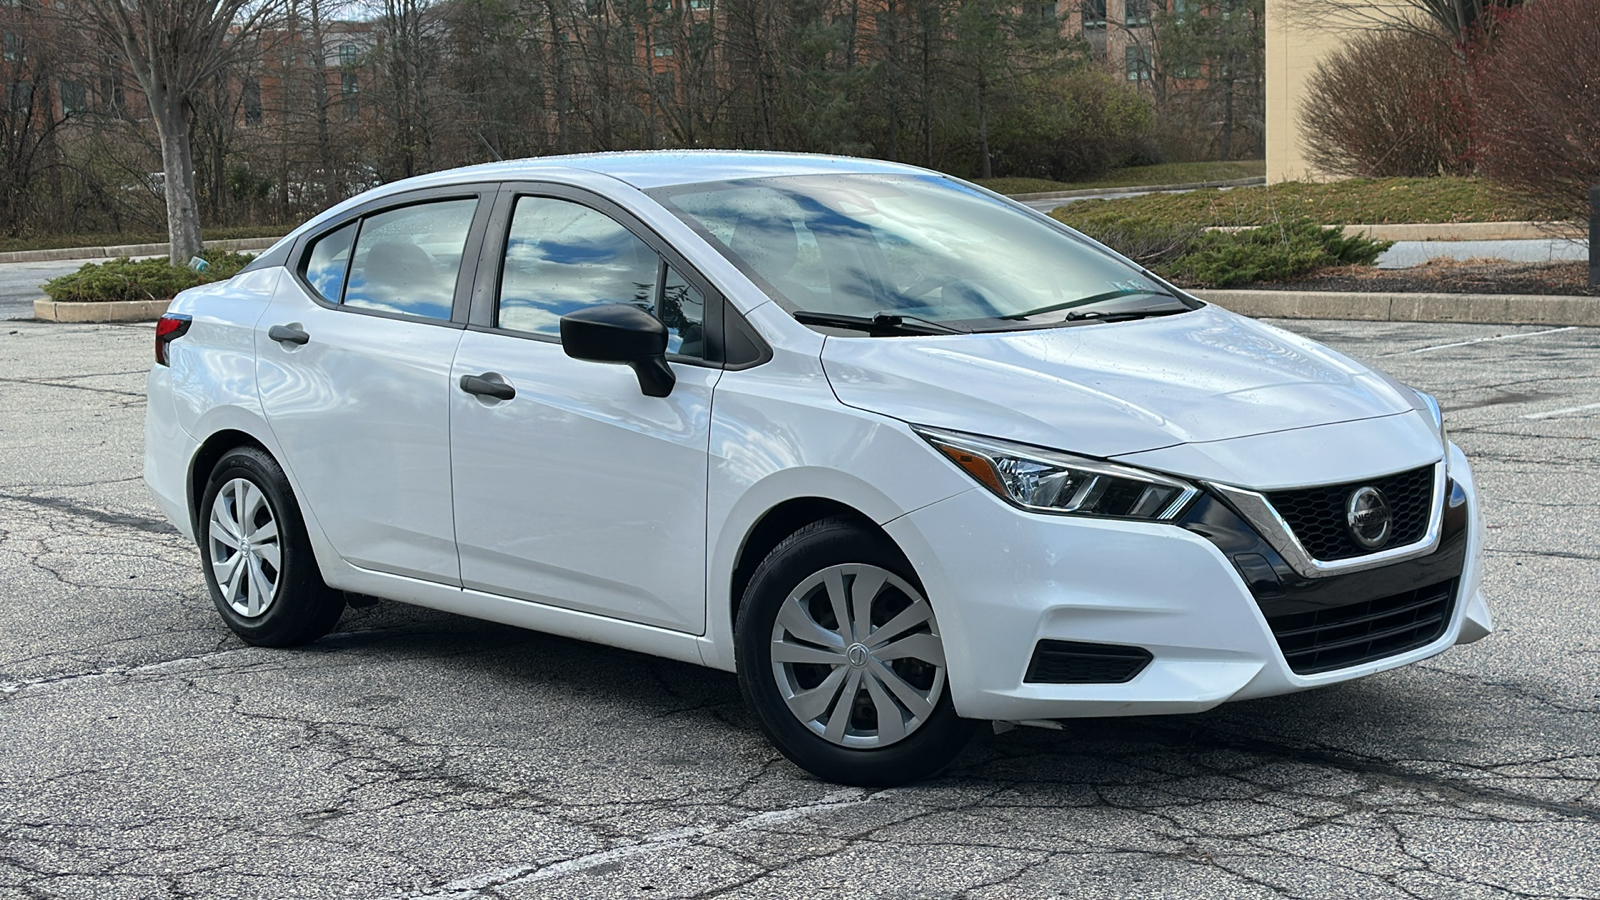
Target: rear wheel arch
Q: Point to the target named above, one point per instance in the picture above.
(205, 460)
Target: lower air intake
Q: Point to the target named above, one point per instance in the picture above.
(1072, 662)
(1345, 636)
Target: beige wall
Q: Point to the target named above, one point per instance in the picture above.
(1296, 44)
(1293, 52)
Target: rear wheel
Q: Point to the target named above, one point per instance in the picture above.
(840, 657)
(258, 562)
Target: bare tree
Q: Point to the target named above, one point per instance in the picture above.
(1452, 21)
(174, 48)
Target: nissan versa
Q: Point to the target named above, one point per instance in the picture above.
(904, 455)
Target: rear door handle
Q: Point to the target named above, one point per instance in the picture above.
(483, 386)
(288, 334)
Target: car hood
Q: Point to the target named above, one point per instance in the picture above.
(1114, 388)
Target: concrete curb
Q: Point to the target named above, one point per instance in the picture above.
(111, 251)
(1471, 231)
(1142, 189)
(112, 311)
(1457, 231)
(1480, 309)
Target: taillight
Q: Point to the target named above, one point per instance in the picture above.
(169, 328)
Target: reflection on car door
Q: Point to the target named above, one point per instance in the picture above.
(579, 491)
(353, 363)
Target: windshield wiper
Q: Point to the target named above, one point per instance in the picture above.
(876, 324)
(1085, 301)
(1127, 315)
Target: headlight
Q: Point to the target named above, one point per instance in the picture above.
(1052, 482)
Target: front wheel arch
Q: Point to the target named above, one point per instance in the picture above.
(776, 525)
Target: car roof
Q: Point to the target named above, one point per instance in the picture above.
(642, 169)
(645, 169)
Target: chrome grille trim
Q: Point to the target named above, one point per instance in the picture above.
(1258, 511)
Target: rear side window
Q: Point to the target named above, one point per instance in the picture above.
(404, 260)
(329, 258)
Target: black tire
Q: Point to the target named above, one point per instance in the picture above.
(300, 607)
(929, 743)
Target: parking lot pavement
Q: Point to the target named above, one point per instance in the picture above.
(19, 284)
(147, 753)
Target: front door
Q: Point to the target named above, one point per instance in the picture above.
(578, 491)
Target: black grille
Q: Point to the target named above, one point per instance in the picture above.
(1343, 636)
(1317, 515)
(1073, 662)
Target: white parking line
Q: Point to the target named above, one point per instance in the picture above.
(480, 885)
(1499, 337)
(1552, 413)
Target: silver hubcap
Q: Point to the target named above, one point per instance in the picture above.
(242, 540)
(857, 656)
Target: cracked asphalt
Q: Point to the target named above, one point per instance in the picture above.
(146, 753)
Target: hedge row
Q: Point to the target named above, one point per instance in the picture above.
(145, 279)
(1194, 256)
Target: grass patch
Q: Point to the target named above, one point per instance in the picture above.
(59, 241)
(1192, 256)
(146, 279)
(1363, 201)
(1136, 176)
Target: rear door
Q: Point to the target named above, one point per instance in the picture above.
(353, 363)
(578, 491)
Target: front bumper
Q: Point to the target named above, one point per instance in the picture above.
(1002, 580)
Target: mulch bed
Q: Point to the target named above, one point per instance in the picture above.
(1439, 276)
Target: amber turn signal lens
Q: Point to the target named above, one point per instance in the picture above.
(977, 466)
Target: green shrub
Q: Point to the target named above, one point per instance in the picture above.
(1271, 253)
(145, 279)
(1192, 256)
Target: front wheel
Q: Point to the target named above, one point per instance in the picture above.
(840, 657)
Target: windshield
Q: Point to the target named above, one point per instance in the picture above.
(910, 246)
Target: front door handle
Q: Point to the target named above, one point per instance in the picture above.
(288, 334)
(484, 387)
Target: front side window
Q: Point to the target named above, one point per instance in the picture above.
(918, 247)
(563, 256)
(404, 260)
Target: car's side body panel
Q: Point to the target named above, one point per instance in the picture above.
(362, 411)
(580, 491)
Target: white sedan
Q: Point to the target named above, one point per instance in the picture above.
(904, 455)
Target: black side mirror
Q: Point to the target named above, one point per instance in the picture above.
(621, 333)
